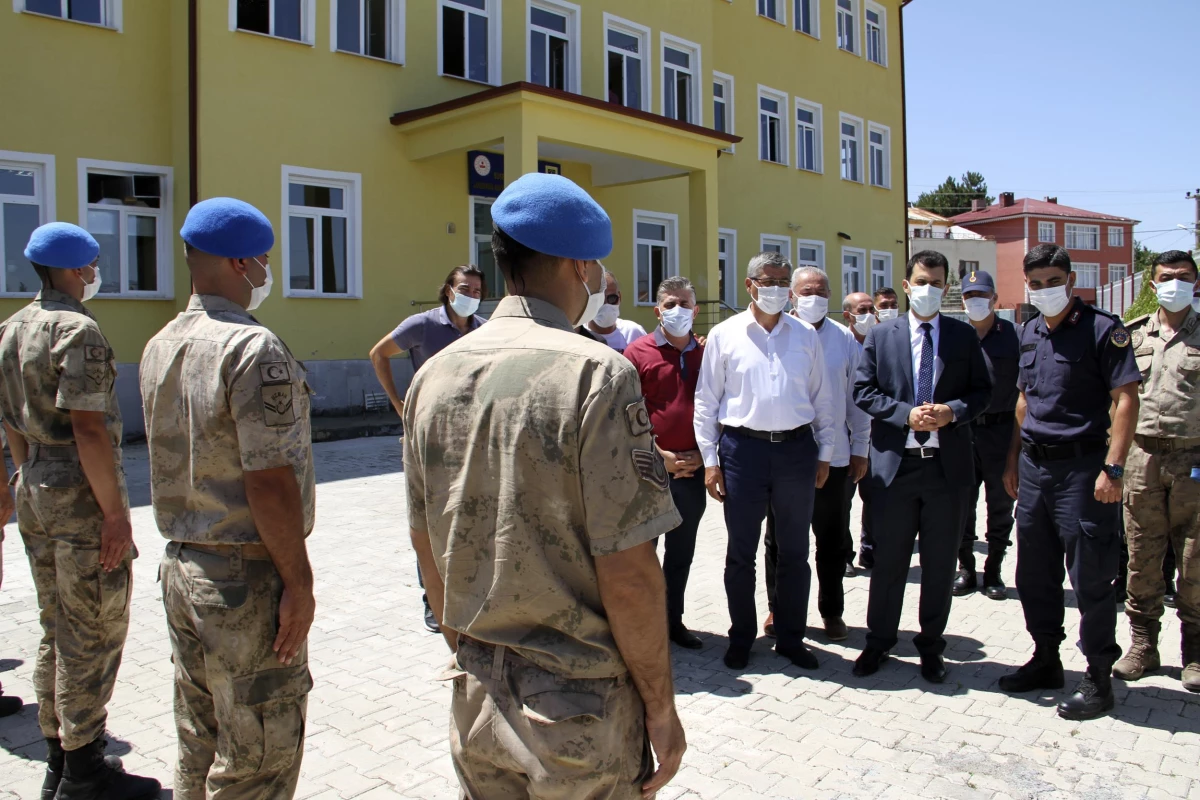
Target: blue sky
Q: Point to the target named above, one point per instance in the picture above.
(1092, 101)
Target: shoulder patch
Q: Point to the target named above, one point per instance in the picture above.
(651, 468)
(1138, 338)
(95, 352)
(638, 418)
(279, 408)
(1119, 337)
(272, 372)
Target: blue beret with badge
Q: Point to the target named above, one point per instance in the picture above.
(978, 281)
(61, 245)
(550, 214)
(229, 228)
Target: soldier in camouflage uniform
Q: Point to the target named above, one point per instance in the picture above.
(535, 492)
(60, 413)
(231, 471)
(1162, 474)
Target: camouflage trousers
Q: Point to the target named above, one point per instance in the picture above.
(1162, 503)
(84, 611)
(239, 713)
(518, 731)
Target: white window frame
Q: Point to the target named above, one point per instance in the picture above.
(731, 267)
(696, 70)
(814, 13)
(859, 127)
(1072, 232)
(727, 83)
(817, 245)
(671, 221)
(475, 241)
(492, 12)
(44, 199)
(574, 39)
(784, 242)
(1044, 226)
(862, 271)
(875, 127)
(112, 16)
(165, 214)
(351, 185)
(780, 9)
(308, 19)
(875, 8)
(1083, 268)
(1120, 235)
(818, 125)
(782, 99)
(854, 15)
(886, 274)
(1124, 272)
(642, 34)
(397, 13)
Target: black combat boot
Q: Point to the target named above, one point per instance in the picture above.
(1044, 671)
(54, 768)
(1094, 697)
(90, 776)
(993, 584)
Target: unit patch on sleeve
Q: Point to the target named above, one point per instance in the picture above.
(279, 409)
(651, 467)
(638, 418)
(274, 372)
(1119, 337)
(95, 352)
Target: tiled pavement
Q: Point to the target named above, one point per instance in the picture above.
(377, 724)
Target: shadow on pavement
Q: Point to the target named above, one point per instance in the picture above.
(9, 664)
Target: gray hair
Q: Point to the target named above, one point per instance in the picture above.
(676, 284)
(767, 258)
(809, 272)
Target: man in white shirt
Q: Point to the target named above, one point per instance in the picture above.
(851, 441)
(764, 426)
(617, 333)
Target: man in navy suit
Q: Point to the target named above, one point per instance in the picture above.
(922, 378)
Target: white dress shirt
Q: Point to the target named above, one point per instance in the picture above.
(917, 340)
(627, 333)
(851, 425)
(765, 381)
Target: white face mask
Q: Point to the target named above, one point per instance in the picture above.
(811, 308)
(92, 289)
(676, 321)
(463, 305)
(1174, 295)
(887, 313)
(978, 308)
(1050, 301)
(594, 301)
(607, 315)
(926, 300)
(259, 293)
(864, 322)
(772, 299)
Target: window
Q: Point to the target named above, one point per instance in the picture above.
(26, 201)
(723, 104)
(806, 17)
(627, 71)
(1046, 232)
(469, 39)
(1116, 237)
(1117, 272)
(322, 244)
(772, 135)
(773, 9)
(876, 34)
(373, 28)
(852, 270)
(481, 245)
(810, 253)
(879, 138)
(127, 208)
(1088, 275)
(681, 88)
(847, 14)
(727, 271)
(851, 137)
(106, 13)
(808, 136)
(285, 19)
(554, 44)
(769, 243)
(1081, 237)
(881, 270)
(655, 250)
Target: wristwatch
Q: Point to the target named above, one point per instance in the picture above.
(1114, 471)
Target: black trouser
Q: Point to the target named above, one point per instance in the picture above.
(866, 537)
(992, 443)
(690, 498)
(830, 518)
(919, 500)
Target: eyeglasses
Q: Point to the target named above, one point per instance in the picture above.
(782, 283)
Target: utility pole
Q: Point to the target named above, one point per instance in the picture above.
(1196, 230)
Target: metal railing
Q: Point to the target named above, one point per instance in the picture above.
(712, 312)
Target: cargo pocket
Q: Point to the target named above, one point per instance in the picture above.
(56, 474)
(547, 699)
(218, 594)
(1100, 549)
(276, 697)
(115, 588)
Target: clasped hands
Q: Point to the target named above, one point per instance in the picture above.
(682, 464)
(929, 417)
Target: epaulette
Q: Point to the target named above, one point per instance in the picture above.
(1137, 321)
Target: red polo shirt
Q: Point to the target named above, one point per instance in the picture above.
(669, 384)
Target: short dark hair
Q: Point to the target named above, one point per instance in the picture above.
(1047, 255)
(884, 291)
(931, 259)
(518, 263)
(466, 270)
(44, 274)
(1171, 258)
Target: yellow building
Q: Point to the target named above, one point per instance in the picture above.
(374, 134)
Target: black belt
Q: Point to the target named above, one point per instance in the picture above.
(1061, 452)
(772, 436)
(920, 452)
(984, 420)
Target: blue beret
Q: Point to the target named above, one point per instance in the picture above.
(550, 214)
(978, 282)
(61, 245)
(229, 228)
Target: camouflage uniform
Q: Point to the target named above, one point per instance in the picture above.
(55, 360)
(528, 455)
(223, 395)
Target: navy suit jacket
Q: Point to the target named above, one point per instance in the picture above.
(885, 389)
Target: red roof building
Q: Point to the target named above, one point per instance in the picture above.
(1100, 245)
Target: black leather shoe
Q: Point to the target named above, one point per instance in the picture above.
(835, 629)
(850, 571)
(685, 638)
(866, 559)
(431, 623)
(869, 661)
(1043, 671)
(933, 668)
(994, 588)
(737, 657)
(964, 582)
(800, 655)
(1093, 698)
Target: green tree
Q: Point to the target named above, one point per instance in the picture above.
(955, 196)
(1147, 299)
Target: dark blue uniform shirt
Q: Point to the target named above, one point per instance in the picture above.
(1001, 349)
(1068, 373)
